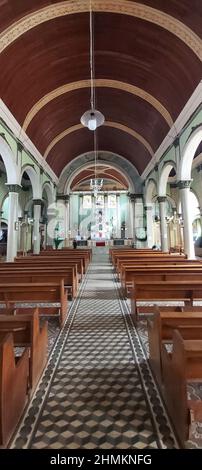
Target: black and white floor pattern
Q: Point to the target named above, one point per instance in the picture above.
(97, 391)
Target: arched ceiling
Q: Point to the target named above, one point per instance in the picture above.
(147, 65)
(112, 179)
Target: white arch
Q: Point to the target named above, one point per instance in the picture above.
(164, 177)
(107, 158)
(12, 171)
(188, 154)
(151, 186)
(35, 182)
(49, 192)
(4, 221)
(89, 165)
(6, 196)
(28, 205)
(86, 166)
(172, 201)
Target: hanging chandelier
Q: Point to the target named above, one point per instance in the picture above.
(96, 185)
(92, 118)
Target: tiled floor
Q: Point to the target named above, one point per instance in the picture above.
(97, 391)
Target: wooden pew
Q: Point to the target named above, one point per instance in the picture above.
(182, 365)
(58, 261)
(13, 387)
(117, 250)
(69, 261)
(26, 331)
(71, 250)
(159, 273)
(124, 264)
(146, 256)
(48, 263)
(114, 252)
(27, 273)
(160, 330)
(84, 258)
(36, 293)
(153, 291)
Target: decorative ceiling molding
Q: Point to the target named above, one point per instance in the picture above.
(192, 104)
(115, 125)
(61, 136)
(123, 7)
(68, 87)
(134, 134)
(102, 172)
(16, 129)
(111, 159)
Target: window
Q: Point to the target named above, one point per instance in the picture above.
(112, 201)
(87, 201)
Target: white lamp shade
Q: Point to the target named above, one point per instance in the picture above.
(92, 124)
(92, 119)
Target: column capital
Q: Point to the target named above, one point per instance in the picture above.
(13, 188)
(134, 196)
(184, 184)
(138, 196)
(62, 197)
(131, 197)
(37, 202)
(161, 199)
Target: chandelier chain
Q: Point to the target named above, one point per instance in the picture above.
(92, 118)
(95, 151)
(92, 64)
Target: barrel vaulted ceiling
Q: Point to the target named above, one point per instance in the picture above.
(147, 65)
(108, 174)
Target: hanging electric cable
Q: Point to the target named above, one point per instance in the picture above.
(92, 118)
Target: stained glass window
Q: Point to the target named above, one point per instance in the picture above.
(112, 201)
(87, 201)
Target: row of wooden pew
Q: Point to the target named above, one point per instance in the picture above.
(175, 355)
(45, 278)
(19, 375)
(150, 276)
(174, 333)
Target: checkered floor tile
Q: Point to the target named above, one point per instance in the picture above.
(97, 391)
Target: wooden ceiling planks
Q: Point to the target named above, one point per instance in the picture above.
(127, 48)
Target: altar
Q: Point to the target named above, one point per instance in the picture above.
(111, 242)
(102, 218)
(100, 243)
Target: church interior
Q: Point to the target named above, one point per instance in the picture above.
(100, 224)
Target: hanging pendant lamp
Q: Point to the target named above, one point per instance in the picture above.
(92, 118)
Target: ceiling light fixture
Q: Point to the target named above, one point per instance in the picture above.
(92, 118)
